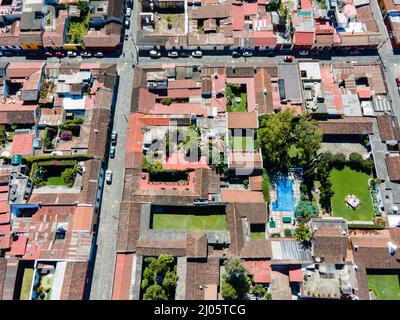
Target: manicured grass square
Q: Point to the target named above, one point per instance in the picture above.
(55, 181)
(348, 181)
(189, 222)
(385, 287)
(243, 143)
(257, 235)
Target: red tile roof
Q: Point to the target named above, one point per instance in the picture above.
(260, 269)
(296, 275)
(364, 93)
(22, 144)
(241, 196)
(18, 247)
(303, 38)
(122, 276)
(82, 218)
(250, 8)
(237, 17)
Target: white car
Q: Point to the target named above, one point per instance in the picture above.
(98, 55)
(128, 12)
(155, 54)
(197, 54)
(86, 54)
(71, 54)
(247, 53)
(127, 23)
(109, 176)
(173, 54)
(303, 52)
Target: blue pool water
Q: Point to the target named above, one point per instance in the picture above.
(284, 194)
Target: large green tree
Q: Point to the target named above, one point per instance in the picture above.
(235, 281)
(303, 233)
(288, 140)
(305, 210)
(159, 278)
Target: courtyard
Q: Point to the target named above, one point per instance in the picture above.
(348, 181)
(189, 218)
(384, 286)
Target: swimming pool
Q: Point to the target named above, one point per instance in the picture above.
(284, 194)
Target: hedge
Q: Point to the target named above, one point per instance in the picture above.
(364, 226)
(77, 157)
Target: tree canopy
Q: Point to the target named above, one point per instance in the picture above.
(235, 281)
(303, 233)
(159, 278)
(288, 140)
(305, 210)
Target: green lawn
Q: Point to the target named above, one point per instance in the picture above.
(55, 181)
(385, 287)
(189, 222)
(239, 107)
(348, 181)
(26, 284)
(232, 91)
(243, 143)
(257, 235)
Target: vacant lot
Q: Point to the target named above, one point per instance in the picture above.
(385, 287)
(348, 181)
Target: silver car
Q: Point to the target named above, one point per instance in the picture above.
(109, 176)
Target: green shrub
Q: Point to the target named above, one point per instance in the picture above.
(265, 187)
(364, 226)
(166, 101)
(74, 121)
(288, 233)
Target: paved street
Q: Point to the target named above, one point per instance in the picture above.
(107, 234)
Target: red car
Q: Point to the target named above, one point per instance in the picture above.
(288, 59)
(398, 81)
(59, 54)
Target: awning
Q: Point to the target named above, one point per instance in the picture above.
(16, 160)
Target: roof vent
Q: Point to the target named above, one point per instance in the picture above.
(392, 248)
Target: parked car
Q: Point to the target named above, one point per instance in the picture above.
(173, 54)
(127, 23)
(112, 152)
(59, 54)
(236, 53)
(48, 54)
(109, 176)
(354, 52)
(114, 136)
(398, 81)
(71, 54)
(271, 53)
(86, 54)
(128, 12)
(303, 52)
(98, 55)
(197, 54)
(155, 54)
(247, 53)
(288, 58)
